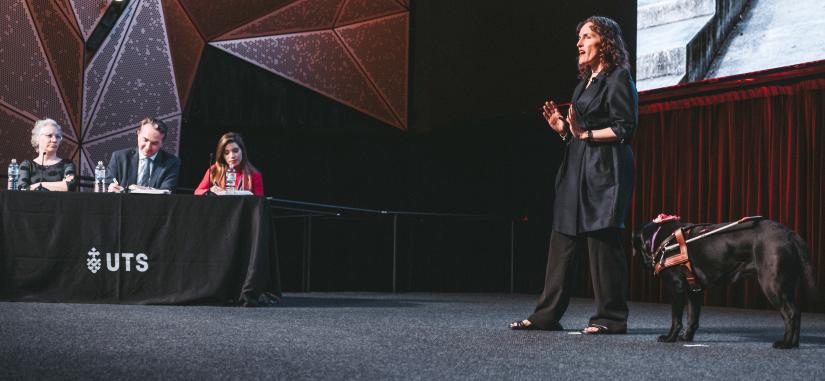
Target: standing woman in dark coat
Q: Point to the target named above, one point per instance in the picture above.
(594, 183)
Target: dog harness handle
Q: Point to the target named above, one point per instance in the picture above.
(741, 220)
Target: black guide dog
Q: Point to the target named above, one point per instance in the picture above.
(772, 253)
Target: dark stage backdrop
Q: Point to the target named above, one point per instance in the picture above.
(476, 144)
(314, 149)
(477, 60)
(307, 146)
(716, 155)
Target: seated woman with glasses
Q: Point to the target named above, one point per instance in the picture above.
(47, 172)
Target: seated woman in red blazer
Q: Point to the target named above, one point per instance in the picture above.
(231, 151)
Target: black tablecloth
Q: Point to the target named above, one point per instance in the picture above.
(134, 248)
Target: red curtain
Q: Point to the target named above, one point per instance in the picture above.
(712, 156)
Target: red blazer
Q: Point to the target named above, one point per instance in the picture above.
(257, 186)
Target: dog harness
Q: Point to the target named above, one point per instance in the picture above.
(682, 259)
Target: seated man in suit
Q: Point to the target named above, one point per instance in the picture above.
(146, 166)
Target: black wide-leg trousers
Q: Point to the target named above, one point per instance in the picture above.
(608, 269)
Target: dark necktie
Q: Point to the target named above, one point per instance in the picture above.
(147, 166)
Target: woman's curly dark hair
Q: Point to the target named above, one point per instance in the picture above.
(612, 51)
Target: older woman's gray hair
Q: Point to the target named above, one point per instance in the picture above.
(42, 124)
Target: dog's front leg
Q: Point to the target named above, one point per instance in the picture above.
(695, 300)
(677, 307)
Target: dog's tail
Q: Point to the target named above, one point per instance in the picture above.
(811, 290)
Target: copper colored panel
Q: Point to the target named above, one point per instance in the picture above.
(214, 18)
(26, 83)
(303, 15)
(67, 10)
(315, 60)
(99, 68)
(15, 137)
(142, 81)
(381, 48)
(89, 13)
(360, 10)
(64, 48)
(186, 45)
(405, 3)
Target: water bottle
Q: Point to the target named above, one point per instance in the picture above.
(230, 180)
(100, 178)
(14, 174)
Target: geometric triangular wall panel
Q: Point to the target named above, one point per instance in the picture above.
(362, 10)
(27, 84)
(140, 81)
(134, 79)
(99, 68)
(353, 51)
(89, 13)
(299, 16)
(64, 48)
(186, 44)
(216, 17)
(379, 47)
(359, 57)
(14, 136)
(316, 60)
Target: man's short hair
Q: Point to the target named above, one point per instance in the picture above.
(157, 124)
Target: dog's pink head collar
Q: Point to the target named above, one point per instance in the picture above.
(659, 220)
(662, 218)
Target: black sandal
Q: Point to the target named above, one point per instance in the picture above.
(518, 325)
(264, 299)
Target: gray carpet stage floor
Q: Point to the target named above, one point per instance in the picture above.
(343, 336)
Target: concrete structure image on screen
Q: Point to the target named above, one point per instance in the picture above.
(687, 40)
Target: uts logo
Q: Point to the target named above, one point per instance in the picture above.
(93, 263)
(113, 261)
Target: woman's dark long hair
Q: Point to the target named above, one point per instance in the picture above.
(612, 51)
(218, 172)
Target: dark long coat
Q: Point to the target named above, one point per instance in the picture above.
(594, 184)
